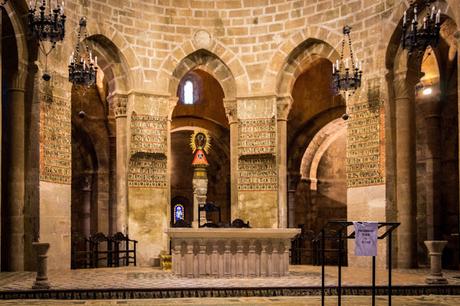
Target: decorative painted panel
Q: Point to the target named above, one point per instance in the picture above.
(147, 171)
(257, 173)
(257, 136)
(148, 134)
(55, 137)
(365, 145)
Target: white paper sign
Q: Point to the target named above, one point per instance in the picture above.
(366, 238)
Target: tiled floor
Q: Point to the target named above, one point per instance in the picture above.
(288, 301)
(134, 277)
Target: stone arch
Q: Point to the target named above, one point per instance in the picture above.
(14, 10)
(182, 57)
(112, 62)
(286, 63)
(317, 147)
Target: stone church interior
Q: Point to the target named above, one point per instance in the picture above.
(220, 138)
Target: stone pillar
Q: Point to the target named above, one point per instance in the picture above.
(55, 166)
(119, 104)
(283, 107)
(404, 87)
(15, 175)
(435, 253)
(230, 108)
(85, 213)
(293, 181)
(1, 139)
(431, 108)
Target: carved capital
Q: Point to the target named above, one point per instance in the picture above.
(231, 110)
(119, 104)
(404, 82)
(283, 107)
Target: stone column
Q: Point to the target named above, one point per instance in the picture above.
(230, 108)
(431, 108)
(283, 105)
(85, 212)
(119, 104)
(293, 181)
(404, 87)
(15, 175)
(1, 139)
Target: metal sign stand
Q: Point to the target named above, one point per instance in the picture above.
(340, 235)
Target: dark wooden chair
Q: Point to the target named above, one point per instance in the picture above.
(101, 250)
(81, 252)
(124, 250)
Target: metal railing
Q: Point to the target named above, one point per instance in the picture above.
(341, 235)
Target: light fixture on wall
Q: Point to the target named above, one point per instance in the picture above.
(82, 65)
(47, 25)
(418, 38)
(346, 73)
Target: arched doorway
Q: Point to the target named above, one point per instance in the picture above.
(93, 163)
(316, 164)
(200, 107)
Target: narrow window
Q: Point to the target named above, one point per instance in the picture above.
(188, 92)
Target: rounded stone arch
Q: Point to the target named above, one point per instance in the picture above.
(296, 148)
(15, 9)
(210, 63)
(181, 54)
(117, 53)
(112, 62)
(286, 63)
(317, 147)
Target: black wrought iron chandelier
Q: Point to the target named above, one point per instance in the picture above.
(346, 74)
(418, 38)
(47, 24)
(82, 66)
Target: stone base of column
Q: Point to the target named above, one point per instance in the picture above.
(435, 249)
(41, 281)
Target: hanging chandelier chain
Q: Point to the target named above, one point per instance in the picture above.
(345, 78)
(82, 71)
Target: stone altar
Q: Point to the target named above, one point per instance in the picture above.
(230, 252)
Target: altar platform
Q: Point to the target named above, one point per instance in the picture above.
(152, 283)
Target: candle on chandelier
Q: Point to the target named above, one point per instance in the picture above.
(438, 16)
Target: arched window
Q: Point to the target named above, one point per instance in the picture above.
(179, 212)
(188, 92)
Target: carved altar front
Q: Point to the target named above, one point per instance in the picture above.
(230, 252)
